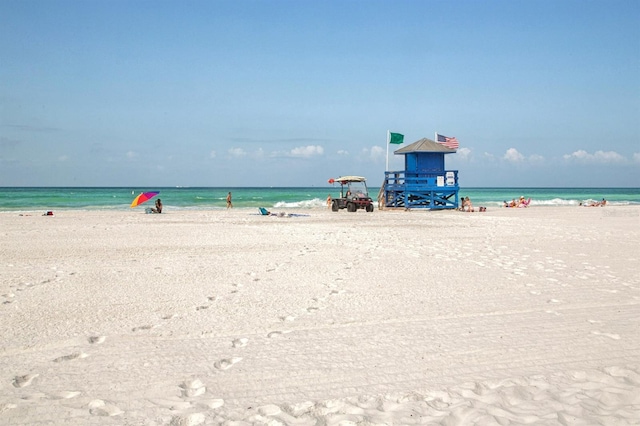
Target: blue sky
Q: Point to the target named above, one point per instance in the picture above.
(291, 93)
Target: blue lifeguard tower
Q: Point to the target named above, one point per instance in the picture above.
(424, 183)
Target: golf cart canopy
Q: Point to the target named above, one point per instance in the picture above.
(344, 179)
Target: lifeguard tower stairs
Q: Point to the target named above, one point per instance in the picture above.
(424, 184)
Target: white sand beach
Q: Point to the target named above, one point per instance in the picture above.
(507, 317)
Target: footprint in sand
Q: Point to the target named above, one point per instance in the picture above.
(22, 381)
(270, 410)
(273, 334)
(609, 335)
(7, 406)
(225, 364)
(70, 357)
(96, 340)
(199, 308)
(142, 327)
(192, 419)
(240, 343)
(211, 404)
(288, 318)
(191, 397)
(65, 395)
(98, 407)
(191, 388)
(300, 408)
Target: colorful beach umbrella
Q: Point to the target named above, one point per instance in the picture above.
(143, 198)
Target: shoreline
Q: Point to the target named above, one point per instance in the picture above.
(174, 209)
(300, 199)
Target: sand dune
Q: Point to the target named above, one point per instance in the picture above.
(512, 316)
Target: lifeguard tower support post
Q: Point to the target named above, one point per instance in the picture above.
(424, 183)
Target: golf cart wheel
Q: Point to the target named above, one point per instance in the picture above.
(369, 208)
(334, 206)
(351, 207)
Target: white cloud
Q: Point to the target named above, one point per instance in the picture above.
(258, 153)
(577, 155)
(212, 154)
(307, 151)
(132, 154)
(63, 158)
(535, 158)
(237, 152)
(375, 153)
(343, 152)
(597, 157)
(636, 157)
(513, 156)
(489, 156)
(464, 153)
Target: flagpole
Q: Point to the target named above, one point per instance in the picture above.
(388, 140)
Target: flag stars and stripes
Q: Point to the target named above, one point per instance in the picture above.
(451, 143)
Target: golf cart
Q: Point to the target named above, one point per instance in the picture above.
(353, 194)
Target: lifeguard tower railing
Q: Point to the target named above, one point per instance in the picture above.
(424, 189)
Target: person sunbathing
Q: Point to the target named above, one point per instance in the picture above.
(593, 203)
(158, 208)
(265, 212)
(523, 203)
(512, 203)
(467, 205)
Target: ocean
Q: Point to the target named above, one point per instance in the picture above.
(203, 198)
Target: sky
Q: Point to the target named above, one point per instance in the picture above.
(240, 93)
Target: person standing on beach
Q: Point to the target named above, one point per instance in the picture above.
(329, 201)
(229, 204)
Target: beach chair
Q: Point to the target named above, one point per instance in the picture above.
(263, 211)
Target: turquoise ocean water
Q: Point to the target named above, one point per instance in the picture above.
(49, 198)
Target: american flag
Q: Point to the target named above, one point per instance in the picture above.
(451, 143)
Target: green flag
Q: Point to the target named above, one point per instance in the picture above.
(396, 138)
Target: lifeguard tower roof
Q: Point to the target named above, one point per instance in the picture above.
(425, 145)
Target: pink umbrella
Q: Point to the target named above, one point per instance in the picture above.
(143, 198)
